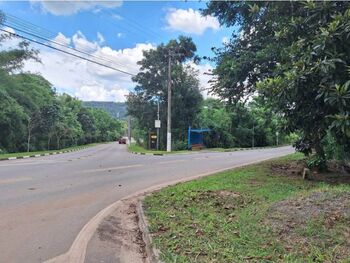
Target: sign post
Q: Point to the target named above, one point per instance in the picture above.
(157, 126)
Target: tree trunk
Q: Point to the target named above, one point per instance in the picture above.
(29, 134)
(48, 142)
(28, 141)
(320, 154)
(58, 142)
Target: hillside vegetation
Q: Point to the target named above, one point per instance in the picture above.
(116, 109)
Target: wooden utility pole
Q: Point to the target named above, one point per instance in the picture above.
(158, 127)
(168, 138)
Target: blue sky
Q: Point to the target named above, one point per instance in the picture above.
(117, 30)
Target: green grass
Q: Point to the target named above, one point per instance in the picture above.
(240, 148)
(191, 222)
(139, 149)
(21, 154)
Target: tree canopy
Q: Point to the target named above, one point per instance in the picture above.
(152, 87)
(34, 117)
(294, 54)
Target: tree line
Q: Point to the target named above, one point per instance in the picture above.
(285, 75)
(232, 125)
(34, 117)
(296, 57)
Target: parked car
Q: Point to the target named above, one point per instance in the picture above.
(122, 140)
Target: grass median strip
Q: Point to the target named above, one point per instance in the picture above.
(252, 214)
(133, 148)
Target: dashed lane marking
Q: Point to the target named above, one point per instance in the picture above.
(111, 168)
(14, 180)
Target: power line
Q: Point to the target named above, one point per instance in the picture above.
(60, 44)
(135, 25)
(33, 30)
(27, 23)
(66, 52)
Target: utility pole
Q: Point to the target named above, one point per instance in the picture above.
(168, 137)
(253, 137)
(129, 129)
(157, 127)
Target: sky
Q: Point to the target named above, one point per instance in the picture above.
(114, 30)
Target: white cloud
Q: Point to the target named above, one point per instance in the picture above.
(8, 29)
(64, 7)
(80, 42)
(100, 38)
(98, 92)
(10, 42)
(204, 71)
(190, 21)
(117, 17)
(84, 79)
(62, 39)
(225, 40)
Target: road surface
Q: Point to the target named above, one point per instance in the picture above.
(45, 201)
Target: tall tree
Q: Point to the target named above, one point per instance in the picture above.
(296, 55)
(152, 87)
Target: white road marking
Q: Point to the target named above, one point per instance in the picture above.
(37, 162)
(111, 168)
(174, 161)
(14, 180)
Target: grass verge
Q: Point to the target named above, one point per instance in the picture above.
(139, 149)
(21, 154)
(251, 214)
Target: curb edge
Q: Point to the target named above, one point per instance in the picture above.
(42, 154)
(152, 252)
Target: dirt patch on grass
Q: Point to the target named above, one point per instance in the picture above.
(290, 168)
(330, 177)
(320, 220)
(223, 199)
(335, 174)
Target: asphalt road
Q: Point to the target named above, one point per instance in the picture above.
(45, 201)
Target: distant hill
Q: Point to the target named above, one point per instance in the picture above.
(115, 109)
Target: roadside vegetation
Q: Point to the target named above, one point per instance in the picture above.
(33, 117)
(292, 56)
(136, 148)
(5, 156)
(260, 213)
(139, 149)
(232, 125)
(286, 69)
(283, 77)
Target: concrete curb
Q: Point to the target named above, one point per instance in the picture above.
(43, 154)
(152, 252)
(155, 154)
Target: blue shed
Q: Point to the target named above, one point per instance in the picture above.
(196, 136)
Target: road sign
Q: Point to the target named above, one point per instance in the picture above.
(157, 124)
(152, 140)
